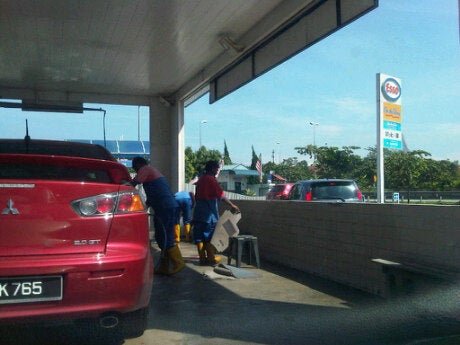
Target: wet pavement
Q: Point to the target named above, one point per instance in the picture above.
(275, 306)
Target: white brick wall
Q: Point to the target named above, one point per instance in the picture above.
(337, 241)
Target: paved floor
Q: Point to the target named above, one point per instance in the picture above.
(277, 306)
(282, 306)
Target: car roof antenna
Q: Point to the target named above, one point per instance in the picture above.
(27, 137)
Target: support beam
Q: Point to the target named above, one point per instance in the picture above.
(167, 140)
(178, 130)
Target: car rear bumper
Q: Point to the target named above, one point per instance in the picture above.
(93, 284)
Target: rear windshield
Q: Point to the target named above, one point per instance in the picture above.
(334, 190)
(55, 148)
(52, 172)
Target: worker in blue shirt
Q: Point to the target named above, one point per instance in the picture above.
(186, 201)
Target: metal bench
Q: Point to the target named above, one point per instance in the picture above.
(404, 277)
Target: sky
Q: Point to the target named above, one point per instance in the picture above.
(332, 83)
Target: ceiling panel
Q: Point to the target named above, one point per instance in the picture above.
(136, 47)
(90, 50)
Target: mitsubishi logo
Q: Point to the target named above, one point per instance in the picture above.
(9, 208)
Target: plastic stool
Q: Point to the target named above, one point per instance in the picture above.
(237, 246)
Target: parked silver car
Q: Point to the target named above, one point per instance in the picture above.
(339, 190)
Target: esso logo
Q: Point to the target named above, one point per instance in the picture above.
(391, 90)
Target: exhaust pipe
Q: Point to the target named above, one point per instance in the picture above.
(109, 321)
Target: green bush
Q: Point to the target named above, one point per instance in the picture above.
(249, 192)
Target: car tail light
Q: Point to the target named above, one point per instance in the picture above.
(308, 196)
(112, 203)
(359, 194)
(130, 202)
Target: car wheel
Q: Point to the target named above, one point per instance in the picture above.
(134, 323)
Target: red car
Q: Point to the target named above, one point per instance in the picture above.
(279, 191)
(74, 240)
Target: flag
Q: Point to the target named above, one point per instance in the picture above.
(259, 169)
(221, 165)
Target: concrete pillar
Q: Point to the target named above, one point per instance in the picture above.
(167, 140)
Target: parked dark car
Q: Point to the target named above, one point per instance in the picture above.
(279, 191)
(339, 190)
(74, 241)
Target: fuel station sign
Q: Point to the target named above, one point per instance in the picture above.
(390, 111)
(389, 120)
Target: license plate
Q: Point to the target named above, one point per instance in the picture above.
(30, 289)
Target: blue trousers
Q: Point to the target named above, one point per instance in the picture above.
(164, 221)
(185, 207)
(202, 232)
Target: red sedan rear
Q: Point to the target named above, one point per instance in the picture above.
(279, 191)
(74, 238)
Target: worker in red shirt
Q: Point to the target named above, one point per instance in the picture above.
(206, 213)
(166, 210)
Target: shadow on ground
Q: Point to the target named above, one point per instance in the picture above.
(203, 311)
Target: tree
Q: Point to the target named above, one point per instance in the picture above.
(439, 175)
(332, 162)
(291, 169)
(227, 160)
(403, 170)
(309, 150)
(190, 164)
(366, 173)
(254, 159)
(196, 161)
(203, 155)
(406, 171)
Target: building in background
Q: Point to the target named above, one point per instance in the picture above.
(234, 178)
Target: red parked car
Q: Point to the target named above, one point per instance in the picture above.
(74, 242)
(279, 191)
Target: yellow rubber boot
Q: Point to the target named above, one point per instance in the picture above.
(163, 266)
(175, 257)
(201, 253)
(177, 233)
(213, 259)
(187, 232)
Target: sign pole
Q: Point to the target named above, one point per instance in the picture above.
(389, 118)
(380, 160)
